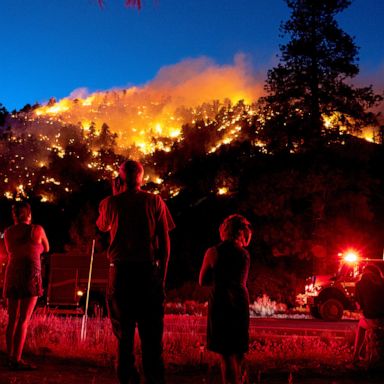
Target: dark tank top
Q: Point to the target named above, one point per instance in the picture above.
(24, 249)
(232, 266)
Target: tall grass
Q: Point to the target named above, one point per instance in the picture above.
(184, 343)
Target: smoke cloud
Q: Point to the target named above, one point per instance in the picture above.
(157, 108)
(194, 81)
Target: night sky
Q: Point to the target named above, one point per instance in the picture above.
(49, 48)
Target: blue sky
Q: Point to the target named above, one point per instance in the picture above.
(51, 47)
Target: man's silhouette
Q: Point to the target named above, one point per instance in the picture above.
(139, 223)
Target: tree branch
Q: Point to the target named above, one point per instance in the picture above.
(128, 3)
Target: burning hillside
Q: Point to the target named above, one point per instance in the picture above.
(140, 116)
(192, 104)
(133, 122)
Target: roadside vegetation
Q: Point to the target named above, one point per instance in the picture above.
(184, 345)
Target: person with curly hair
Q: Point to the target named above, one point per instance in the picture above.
(225, 267)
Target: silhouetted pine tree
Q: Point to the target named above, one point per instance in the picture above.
(3, 114)
(310, 83)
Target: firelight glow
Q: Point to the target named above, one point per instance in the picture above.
(142, 121)
(222, 191)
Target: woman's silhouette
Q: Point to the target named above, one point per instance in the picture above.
(24, 243)
(226, 266)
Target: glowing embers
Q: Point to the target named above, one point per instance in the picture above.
(8, 195)
(223, 191)
(174, 191)
(44, 198)
(342, 124)
(93, 132)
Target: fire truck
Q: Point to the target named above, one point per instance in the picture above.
(327, 296)
(66, 278)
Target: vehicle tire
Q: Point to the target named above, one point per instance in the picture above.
(331, 310)
(314, 311)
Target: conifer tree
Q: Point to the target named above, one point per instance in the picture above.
(309, 93)
(3, 114)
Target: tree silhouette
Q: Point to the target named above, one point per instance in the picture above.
(128, 3)
(3, 114)
(308, 90)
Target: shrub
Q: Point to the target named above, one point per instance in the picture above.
(264, 306)
(189, 307)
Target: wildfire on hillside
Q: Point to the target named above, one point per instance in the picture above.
(101, 128)
(134, 122)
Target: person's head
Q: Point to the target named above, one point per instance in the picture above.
(131, 172)
(372, 269)
(21, 212)
(236, 228)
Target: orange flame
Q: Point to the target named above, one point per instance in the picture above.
(149, 117)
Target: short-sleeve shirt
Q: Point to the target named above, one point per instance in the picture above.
(134, 219)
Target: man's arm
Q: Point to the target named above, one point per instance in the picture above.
(164, 226)
(43, 238)
(103, 222)
(163, 251)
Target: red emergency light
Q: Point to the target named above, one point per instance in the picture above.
(350, 256)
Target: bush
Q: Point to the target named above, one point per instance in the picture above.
(188, 307)
(264, 306)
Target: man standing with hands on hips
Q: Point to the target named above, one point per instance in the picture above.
(139, 223)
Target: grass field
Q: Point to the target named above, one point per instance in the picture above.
(184, 345)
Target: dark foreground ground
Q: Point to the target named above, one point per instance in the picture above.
(56, 371)
(72, 372)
